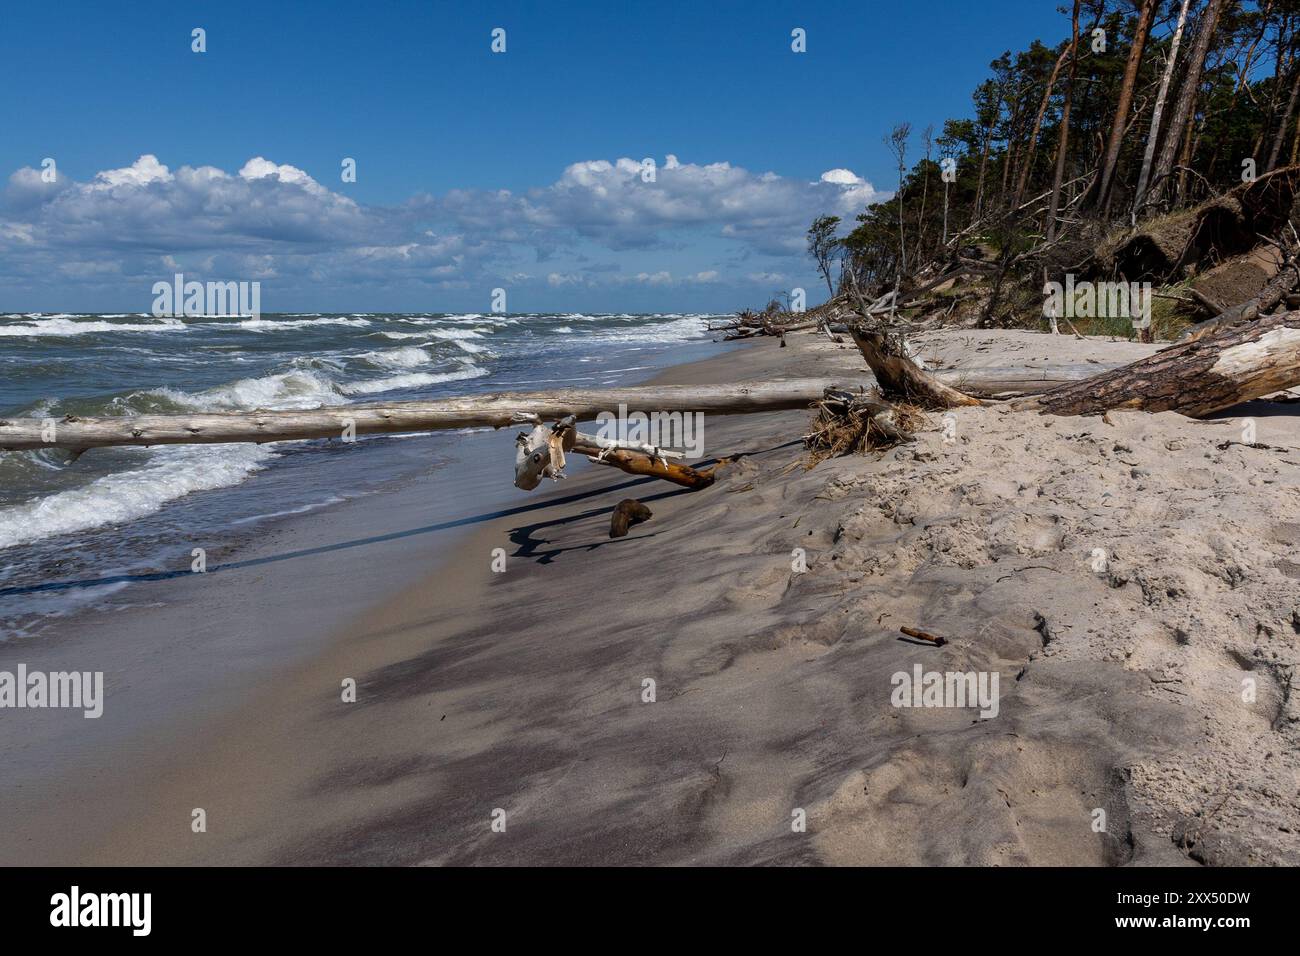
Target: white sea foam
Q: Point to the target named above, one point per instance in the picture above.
(409, 357)
(313, 506)
(125, 496)
(678, 330)
(471, 348)
(66, 325)
(410, 380)
(301, 388)
(275, 325)
(461, 341)
(463, 344)
(430, 319)
(456, 335)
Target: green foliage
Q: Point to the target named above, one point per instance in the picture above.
(1252, 64)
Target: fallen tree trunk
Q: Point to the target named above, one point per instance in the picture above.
(901, 377)
(934, 283)
(1273, 293)
(795, 326)
(749, 324)
(1195, 378)
(636, 463)
(1013, 382)
(474, 411)
(541, 452)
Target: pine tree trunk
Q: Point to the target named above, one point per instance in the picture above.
(1154, 134)
(920, 218)
(945, 212)
(1184, 107)
(984, 164)
(1032, 146)
(1120, 121)
(1286, 121)
(1190, 145)
(1063, 140)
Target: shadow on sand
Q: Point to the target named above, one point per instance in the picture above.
(522, 536)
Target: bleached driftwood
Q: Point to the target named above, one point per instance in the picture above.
(541, 454)
(1195, 378)
(898, 375)
(610, 444)
(496, 410)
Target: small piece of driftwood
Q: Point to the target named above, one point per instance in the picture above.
(628, 512)
(934, 639)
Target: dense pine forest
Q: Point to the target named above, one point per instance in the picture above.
(1156, 142)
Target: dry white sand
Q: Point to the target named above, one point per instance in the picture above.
(1130, 580)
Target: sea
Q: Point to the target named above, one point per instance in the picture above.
(117, 514)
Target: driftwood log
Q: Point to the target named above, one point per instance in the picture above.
(496, 410)
(639, 463)
(1195, 378)
(898, 375)
(628, 512)
(540, 454)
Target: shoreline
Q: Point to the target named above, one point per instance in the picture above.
(432, 609)
(523, 691)
(162, 640)
(153, 523)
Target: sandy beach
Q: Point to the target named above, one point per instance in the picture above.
(1125, 578)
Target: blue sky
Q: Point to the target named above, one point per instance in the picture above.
(475, 170)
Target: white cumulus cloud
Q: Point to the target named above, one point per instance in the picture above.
(275, 219)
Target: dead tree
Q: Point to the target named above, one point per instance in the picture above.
(1195, 378)
(1153, 135)
(1119, 123)
(496, 410)
(1184, 106)
(1281, 285)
